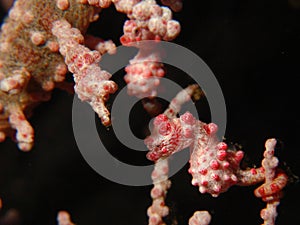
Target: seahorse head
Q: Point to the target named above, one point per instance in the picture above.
(164, 138)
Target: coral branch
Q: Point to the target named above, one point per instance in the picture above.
(24, 130)
(91, 83)
(274, 183)
(148, 21)
(158, 209)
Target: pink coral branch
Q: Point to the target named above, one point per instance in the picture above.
(148, 21)
(158, 209)
(24, 130)
(91, 83)
(274, 183)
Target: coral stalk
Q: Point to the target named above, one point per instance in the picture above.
(91, 83)
(270, 190)
(158, 209)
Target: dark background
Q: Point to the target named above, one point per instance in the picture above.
(253, 48)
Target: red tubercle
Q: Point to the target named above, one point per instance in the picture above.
(221, 155)
(215, 176)
(129, 25)
(128, 68)
(146, 74)
(253, 171)
(106, 87)
(204, 183)
(164, 150)
(157, 38)
(188, 118)
(160, 73)
(159, 119)
(79, 63)
(226, 178)
(222, 146)
(274, 188)
(195, 182)
(17, 116)
(239, 156)
(153, 156)
(74, 57)
(226, 164)
(88, 59)
(72, 68)
(217, 189)
(156, 192)
(203, 171)
(125, 40)
(210, 128)
(96, 56)
(260, 192)
(214, 164)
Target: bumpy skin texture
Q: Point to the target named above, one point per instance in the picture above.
(213, 166)
(26, 41)
(41, 40)
(158, 209)
(148, 21)
(91, 83)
